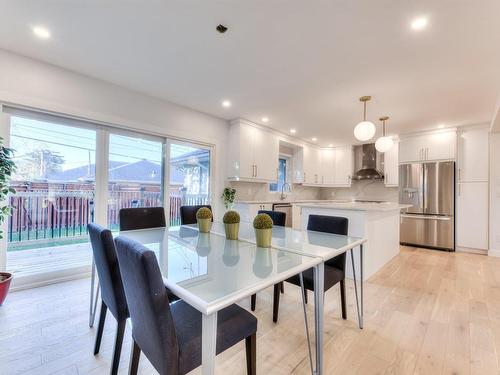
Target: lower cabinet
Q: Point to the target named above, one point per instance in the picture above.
(472, 215)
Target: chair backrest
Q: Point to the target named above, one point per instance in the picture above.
(279, 218)
(108, 270)
(152, 323)
(188, 213)
(334, 225)
(142, 218)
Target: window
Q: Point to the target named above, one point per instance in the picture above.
(282, 175)
(135, 174)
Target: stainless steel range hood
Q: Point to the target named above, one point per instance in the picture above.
(368, 163)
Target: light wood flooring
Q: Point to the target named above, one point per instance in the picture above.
(426, 312)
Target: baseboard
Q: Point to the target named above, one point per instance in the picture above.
(494, 253)
(29, 281)
(471, 250)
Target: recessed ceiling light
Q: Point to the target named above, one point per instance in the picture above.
(314, 139)
(41, 32)
(265, 119)
(440, 126)
(330, 145)
(419, 23)
(293, 131)
(226, 103)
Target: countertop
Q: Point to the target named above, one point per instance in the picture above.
(293, 201)
(356, 206)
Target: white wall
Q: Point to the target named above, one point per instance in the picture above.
(39, 85)
(494, 194)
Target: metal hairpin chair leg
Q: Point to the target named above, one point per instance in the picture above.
(93, 302)
(358, 307)
(305, 320)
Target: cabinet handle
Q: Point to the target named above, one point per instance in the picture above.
(459, 174)
(304, 177)
(459, 185)
(256, 170)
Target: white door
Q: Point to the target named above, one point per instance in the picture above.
(266, 155)
(473, 155)
(391, 166)
(327, 167)
(472, 215)
(343, 165)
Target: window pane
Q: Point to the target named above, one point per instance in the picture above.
(281, 176)
(55, 183)
(135, 175)
(189, 178)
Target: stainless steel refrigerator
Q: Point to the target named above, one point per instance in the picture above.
(430, 189)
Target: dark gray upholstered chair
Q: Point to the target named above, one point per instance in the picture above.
(279, 219)
(169, 335)
(142, 218)
(334, 268)
(188, 213)
(112, 293)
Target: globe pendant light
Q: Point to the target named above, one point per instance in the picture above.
(365, 130)
(384, 143)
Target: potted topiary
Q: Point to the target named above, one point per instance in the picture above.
(263, 225)
(7, 167)
(231, 221)
(204, 219)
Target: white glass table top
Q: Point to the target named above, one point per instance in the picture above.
(304, 242)
(210, 272)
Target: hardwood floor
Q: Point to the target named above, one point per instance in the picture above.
(426, 312)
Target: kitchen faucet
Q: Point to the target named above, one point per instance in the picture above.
(283, 195)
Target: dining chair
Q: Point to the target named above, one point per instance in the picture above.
(142, 218)
(169, 335)
(334, 268)
(279, 219)
(112, 293)
(188, 213)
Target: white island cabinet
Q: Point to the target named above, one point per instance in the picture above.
(377, 222)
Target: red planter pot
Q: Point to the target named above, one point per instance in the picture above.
(5, 279)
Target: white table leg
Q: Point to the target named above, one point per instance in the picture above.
(93, 301)
(319, 275)
(361, 281)
(208, 343)
(358, 309)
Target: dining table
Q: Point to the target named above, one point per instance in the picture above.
(210, 272)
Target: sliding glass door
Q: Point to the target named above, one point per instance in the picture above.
(54, 199)
(190, 174)
(135, 174)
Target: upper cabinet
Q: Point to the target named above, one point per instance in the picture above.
(428, 147)
(344, 164)
(391, 166)
(253, 153)
(323, 167)
(473, 155)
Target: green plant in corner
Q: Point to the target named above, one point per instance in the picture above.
(7, 167)
(228, 197)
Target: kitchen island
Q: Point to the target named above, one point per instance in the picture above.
(378, 222)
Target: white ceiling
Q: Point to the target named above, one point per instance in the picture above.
(301, 63)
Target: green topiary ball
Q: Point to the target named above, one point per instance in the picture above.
(262, 221)
(204, 213)
(231, 217)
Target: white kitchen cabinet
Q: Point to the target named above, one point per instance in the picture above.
(428, 147)
(343, 165)
(473, 155)
(472, 215)
(391, 166)
(253, 153)
(327, 167)
(312, 165)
